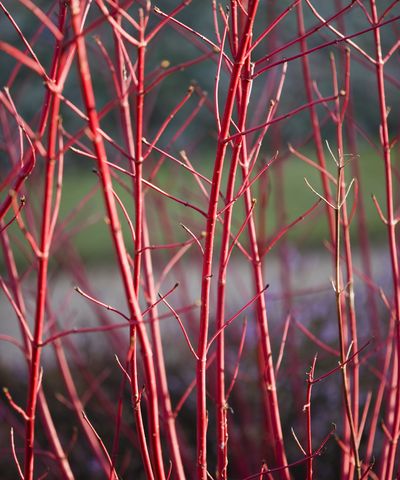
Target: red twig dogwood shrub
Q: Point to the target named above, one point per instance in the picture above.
(194, 283)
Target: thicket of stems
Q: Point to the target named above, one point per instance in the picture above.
(203, 377)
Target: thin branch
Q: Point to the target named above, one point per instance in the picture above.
(177, 317)
(21, 475)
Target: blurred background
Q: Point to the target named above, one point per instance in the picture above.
(299, 267)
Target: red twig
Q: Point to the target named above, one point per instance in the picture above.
(117, 236)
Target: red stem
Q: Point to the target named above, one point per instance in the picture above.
(209, 244)
(307, 409)
(222, 419)
(115, 228)
(393, 416)
(43, 260)
(165, 399)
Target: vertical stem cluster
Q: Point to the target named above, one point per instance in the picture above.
(43, 261)
(202, 417)
(352, 402)
(340, 290)
(167, 157)
(393, 414)
(122, 258)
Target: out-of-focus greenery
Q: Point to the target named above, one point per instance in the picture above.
(88, 232)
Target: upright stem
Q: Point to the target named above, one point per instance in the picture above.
(118, 240)
(268, 373)
(141, 52)
(341, 327)
(390, 446)
(45, 241)
(222, 408)
(127, 128)
(41, 294)
(51, 104)
(361, 215)
(209, 243)
(51, 431)
(307, 409)
(167, 412)
(339, 117)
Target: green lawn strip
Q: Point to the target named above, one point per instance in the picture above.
(88, 231)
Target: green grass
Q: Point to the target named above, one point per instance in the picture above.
(299, 197)
(88, 230)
